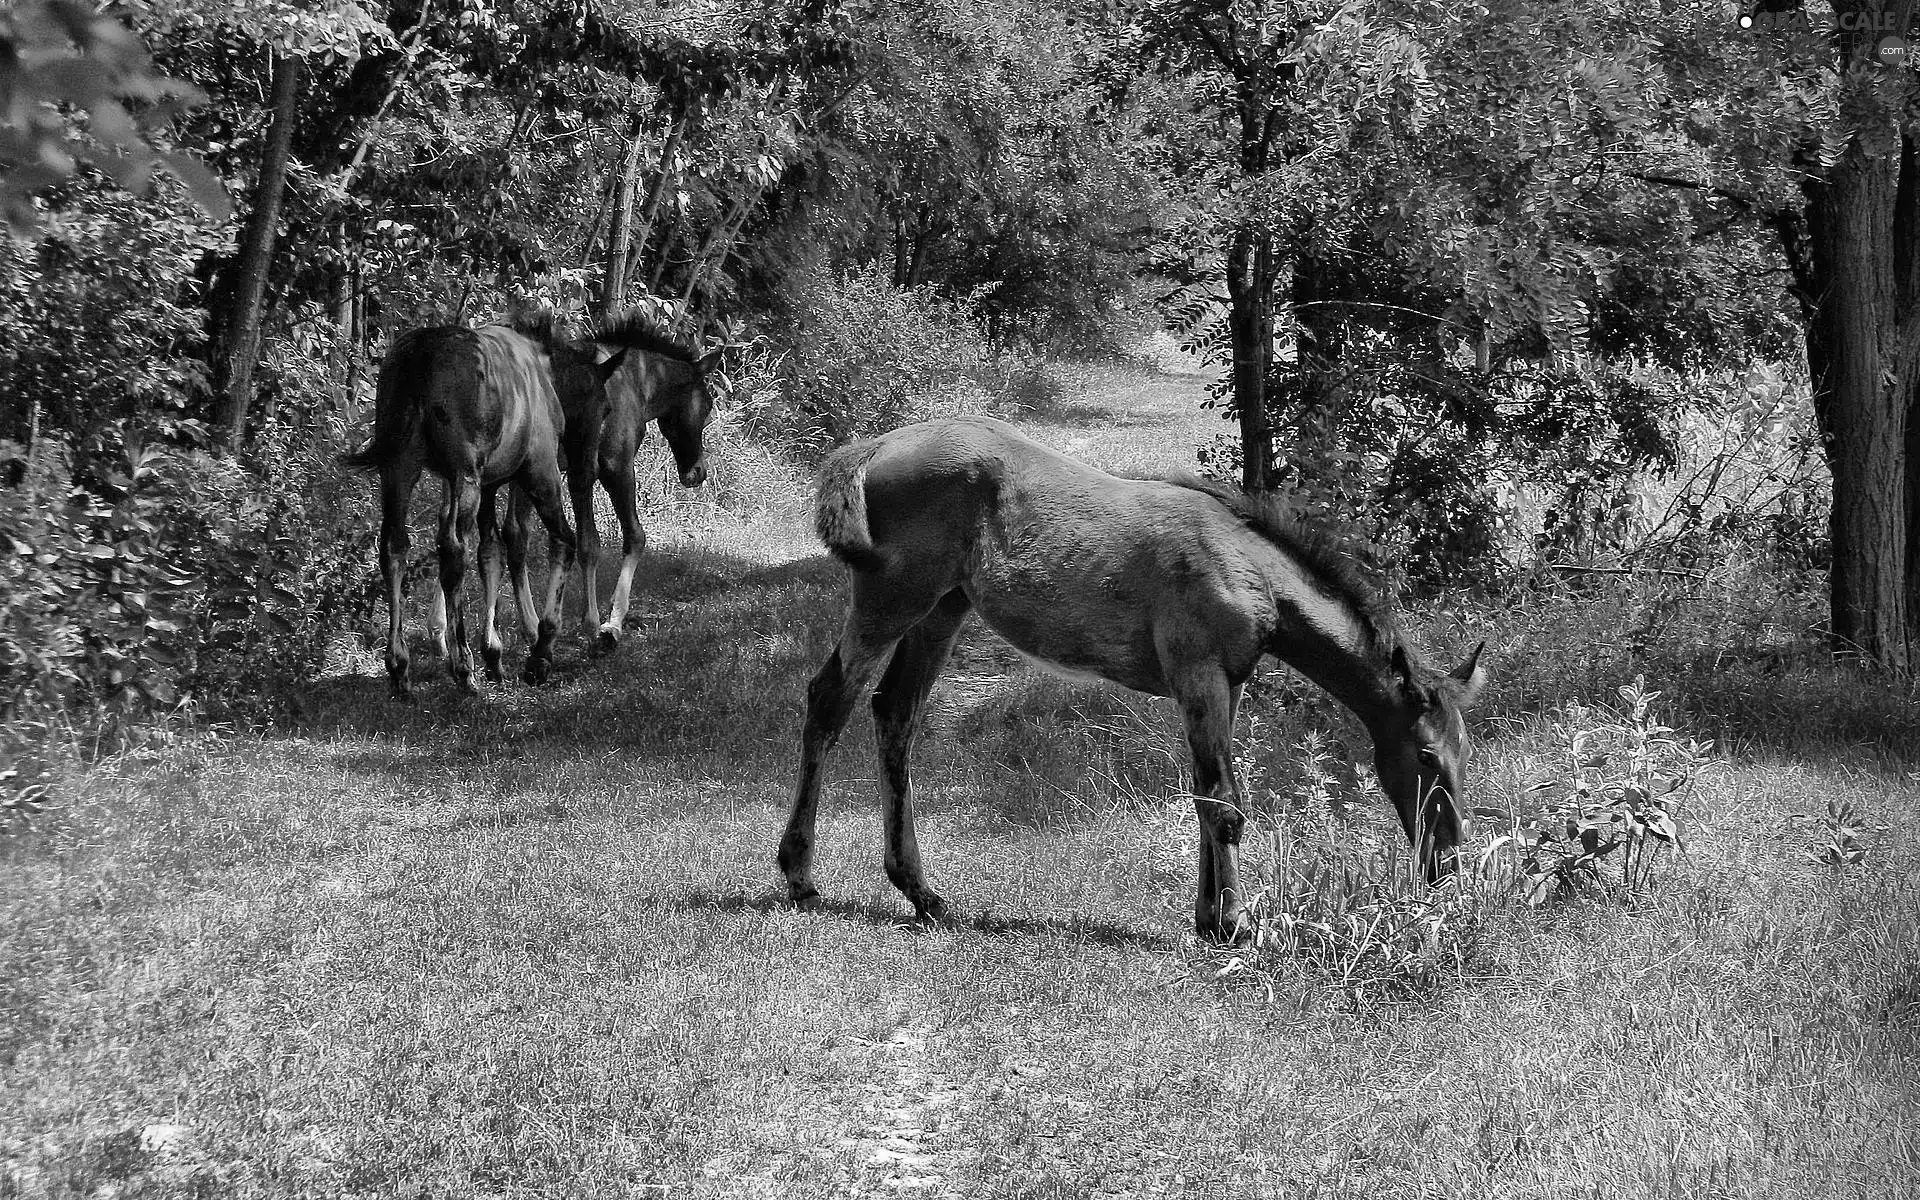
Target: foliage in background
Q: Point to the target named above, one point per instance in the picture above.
(138, 579)
(66, 53)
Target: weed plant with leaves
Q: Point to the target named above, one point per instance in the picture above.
(1845, 843)
(1608, 812)
(1367, 916)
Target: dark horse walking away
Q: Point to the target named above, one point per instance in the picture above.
(1172, 587)
(476, 407)
(656, 378)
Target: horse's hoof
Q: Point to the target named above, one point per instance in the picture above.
(931, 910)
(536, 672)
(1234, 930)
(402, 693)
(494, 674)
(805, 901)
(466, 686)
(606, 642)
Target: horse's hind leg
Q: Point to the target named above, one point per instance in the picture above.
(917, 661)
(490, 644)
(1207, 703)
(396, 491)
(847, 675)
(543, 492)
(586, 533)
(623, 490)
(457, 533)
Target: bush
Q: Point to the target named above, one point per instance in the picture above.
(137, 580)
(858, 357)
(1609, 808)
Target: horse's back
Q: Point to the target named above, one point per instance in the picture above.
(486, 396)
(1072, 564)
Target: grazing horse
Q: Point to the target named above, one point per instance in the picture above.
(656, 379)
(1173, 587)
(477, 408)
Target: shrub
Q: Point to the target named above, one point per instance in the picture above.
(1350, 902)
(1610, 808)
(1368, 917)
(136, 579)
(860, 356)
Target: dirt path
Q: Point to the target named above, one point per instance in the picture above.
(1127, 418)
(908, 1105)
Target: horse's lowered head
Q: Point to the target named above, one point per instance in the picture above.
(666, 383)
(684, 422)
(1421, 753)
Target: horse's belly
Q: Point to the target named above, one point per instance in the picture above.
(1074, 632)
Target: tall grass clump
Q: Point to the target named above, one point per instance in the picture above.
(1351, 901)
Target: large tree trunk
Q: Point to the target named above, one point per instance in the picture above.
(1863, 352)
(241, 349)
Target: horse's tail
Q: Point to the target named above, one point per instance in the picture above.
(840, 514)
(396, 403)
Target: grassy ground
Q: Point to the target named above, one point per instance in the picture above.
(532, 945)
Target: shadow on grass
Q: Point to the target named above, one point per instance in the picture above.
(715, 658)
(1751, 701)
(1075, 929)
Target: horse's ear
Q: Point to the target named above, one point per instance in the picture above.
(1411, 688)
(1470, 676)
(610, 364)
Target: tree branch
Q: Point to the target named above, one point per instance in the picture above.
(1742, 199)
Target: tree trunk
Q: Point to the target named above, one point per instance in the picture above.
(1250, 321)
(242, 342)
(1865, 366)
(343, 305)
(902, 244)
(613, 285)
(656, 195)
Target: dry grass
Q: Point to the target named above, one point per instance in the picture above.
(532, 945)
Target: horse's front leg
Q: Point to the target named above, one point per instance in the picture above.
(1207, 704)
(623, 490)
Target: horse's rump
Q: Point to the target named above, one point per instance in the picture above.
(399, 398)
(840, 511)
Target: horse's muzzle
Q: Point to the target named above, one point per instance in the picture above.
(694, 475)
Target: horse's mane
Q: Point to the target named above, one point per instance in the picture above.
(538, 324)
(1321, 553)
(636, 330)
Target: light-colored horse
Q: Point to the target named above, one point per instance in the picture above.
(1171, 587)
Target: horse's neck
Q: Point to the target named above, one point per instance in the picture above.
(663, 382)
(1324, 638)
